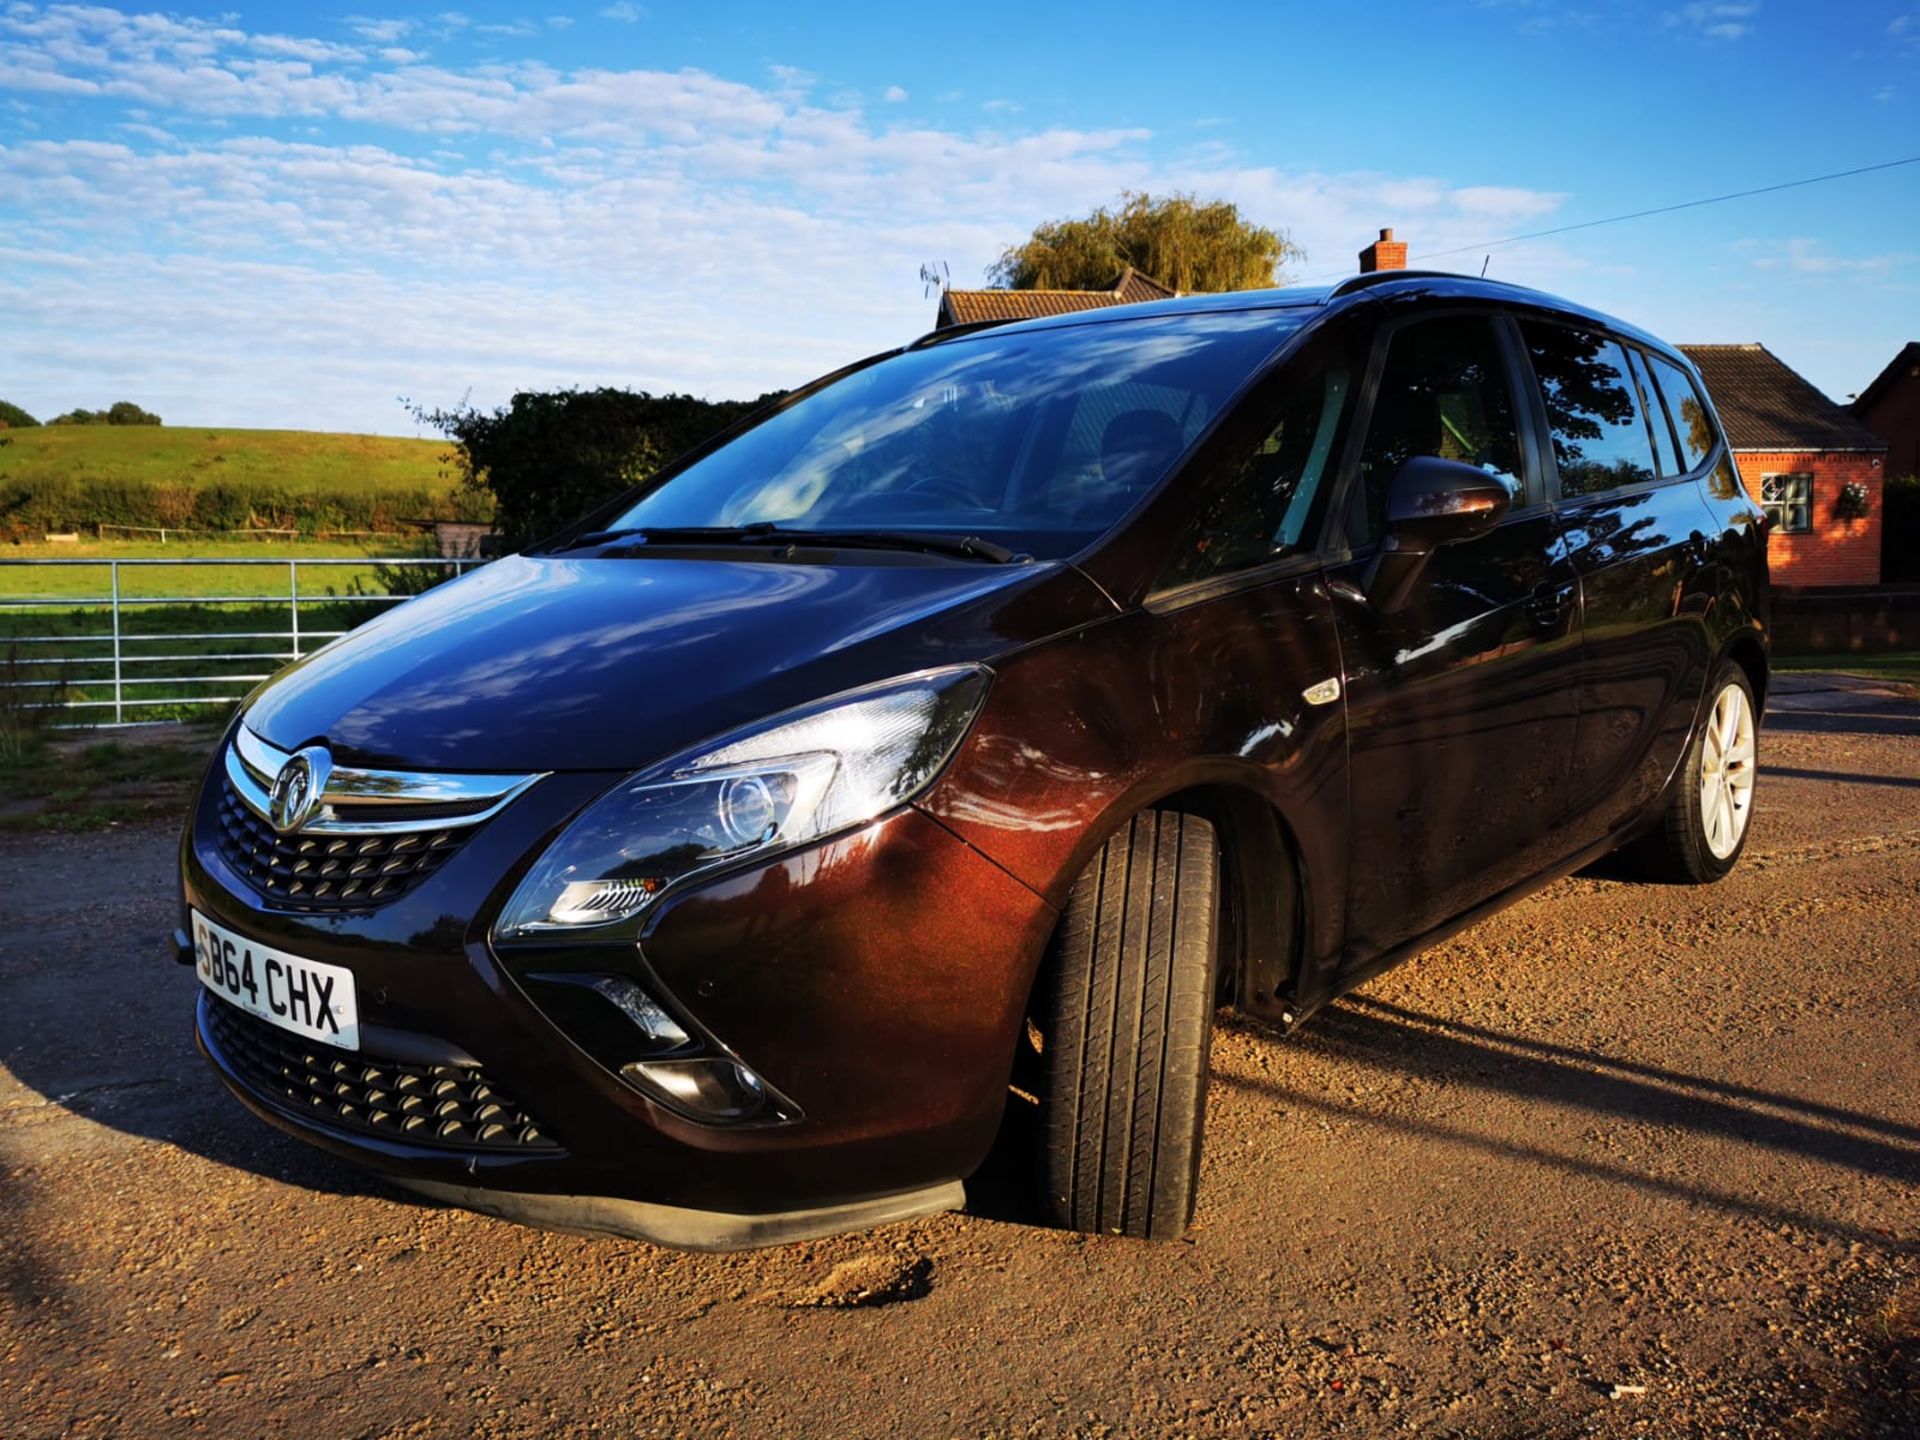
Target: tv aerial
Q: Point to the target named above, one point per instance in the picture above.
(935, 278)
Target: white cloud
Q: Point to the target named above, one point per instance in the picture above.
(380, 32)
(317, 51)
(525, 225)
(1505, 202)
(1715, 19)
(625, 11)
(1803, 255)
(894, 95)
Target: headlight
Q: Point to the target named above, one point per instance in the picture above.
(805, 775)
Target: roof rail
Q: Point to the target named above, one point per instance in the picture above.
(940, 334)
(1380, 277)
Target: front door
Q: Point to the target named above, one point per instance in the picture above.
(1461, 701)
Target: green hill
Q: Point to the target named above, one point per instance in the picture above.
(77, 477)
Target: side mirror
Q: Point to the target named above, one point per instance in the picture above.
(1435, 502)
(1432, 502)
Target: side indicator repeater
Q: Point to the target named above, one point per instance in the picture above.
(1324, 692)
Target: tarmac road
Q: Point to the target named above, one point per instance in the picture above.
(1620, 1135)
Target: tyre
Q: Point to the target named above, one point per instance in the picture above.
(1705, 828)
(1125, 1015)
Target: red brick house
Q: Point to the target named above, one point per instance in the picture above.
(971, 307)
(1809, 463)
(1890, 407)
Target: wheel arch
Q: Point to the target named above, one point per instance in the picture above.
(1267, 897)
(1746, 651)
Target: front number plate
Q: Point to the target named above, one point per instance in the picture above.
(302, 996)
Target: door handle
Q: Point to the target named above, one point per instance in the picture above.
(1697, 549)
(1549, 603)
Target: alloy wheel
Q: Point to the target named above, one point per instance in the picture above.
(1727, 772)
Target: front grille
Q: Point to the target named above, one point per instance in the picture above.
(325, 871)
(455, 1106)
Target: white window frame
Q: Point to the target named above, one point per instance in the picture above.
(1782, 502)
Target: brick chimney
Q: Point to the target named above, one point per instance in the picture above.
(1386, 253)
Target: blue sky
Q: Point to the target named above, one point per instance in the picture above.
(290, 216)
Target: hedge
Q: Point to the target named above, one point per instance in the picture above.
(58, 505)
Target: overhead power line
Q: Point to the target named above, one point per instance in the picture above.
(1669, 209)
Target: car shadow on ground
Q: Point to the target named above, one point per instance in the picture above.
(1841, 777)
(1898, 718)
(166, 1093)
(1368, 1036)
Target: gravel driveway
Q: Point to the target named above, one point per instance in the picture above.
(1620, 1136)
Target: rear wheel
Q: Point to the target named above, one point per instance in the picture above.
(1126, 1016)
(1706, 824)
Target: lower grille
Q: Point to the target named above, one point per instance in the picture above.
(455, 1106)
(328, 871)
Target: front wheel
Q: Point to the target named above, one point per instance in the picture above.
(1126, 1016)
(1706, 824)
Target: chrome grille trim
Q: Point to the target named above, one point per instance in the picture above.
(447, 801)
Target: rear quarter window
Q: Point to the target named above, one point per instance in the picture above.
(1690, 416)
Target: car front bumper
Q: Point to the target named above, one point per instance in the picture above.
(878, 979)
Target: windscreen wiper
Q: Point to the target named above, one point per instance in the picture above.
(664, 534)
(964, 547)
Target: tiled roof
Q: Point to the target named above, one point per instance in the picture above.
(1133, 287)
(1767, 405)
(971, 307)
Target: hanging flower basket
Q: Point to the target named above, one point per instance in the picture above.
(1851, 502)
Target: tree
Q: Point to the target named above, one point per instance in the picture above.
(1189, 244)
(12, 417)
(121, 412)
(549, 457)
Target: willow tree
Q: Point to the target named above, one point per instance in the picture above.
(1180, 241)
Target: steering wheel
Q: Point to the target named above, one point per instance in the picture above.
(945, 487)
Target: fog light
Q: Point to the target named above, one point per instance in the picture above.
(714, 1090)
(642, 1009)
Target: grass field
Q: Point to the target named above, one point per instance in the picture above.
(269, 577)
(116, 481)
(170, 455)
(1902, 666)
(224, 625)
(89, 782)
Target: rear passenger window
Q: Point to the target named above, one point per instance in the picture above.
(1600, 439)
(1689, 413)
(1443, 392)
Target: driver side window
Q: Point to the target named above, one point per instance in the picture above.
(1443, 392)
(1269, 506)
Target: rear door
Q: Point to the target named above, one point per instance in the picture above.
(1461, 702)
(1636, 528)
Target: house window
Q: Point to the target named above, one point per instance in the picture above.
(1789, 500)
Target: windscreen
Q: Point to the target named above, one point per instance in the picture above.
(1038, 440)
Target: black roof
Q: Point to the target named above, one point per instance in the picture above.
(1765, 404)
(1908, 357)
(1356, 289)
